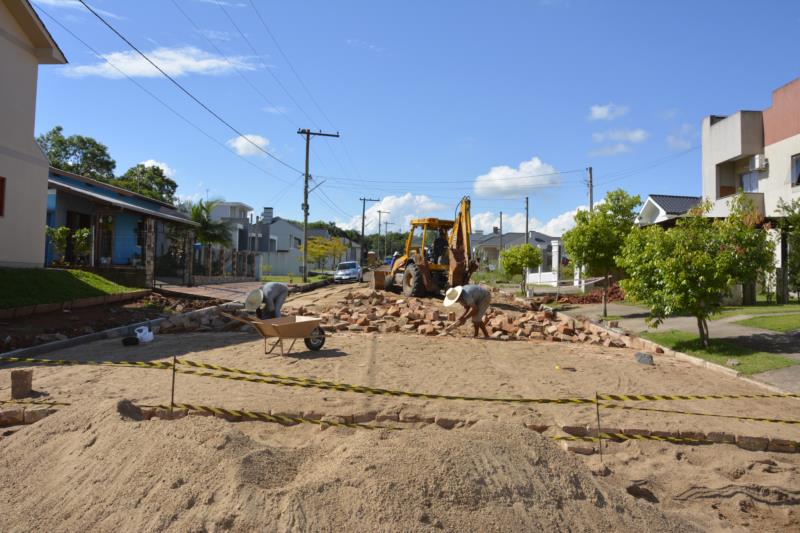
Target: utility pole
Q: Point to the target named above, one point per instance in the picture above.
(501, 234)
(308, 133)
(526, 220)
(386, 237)
(379, 223)
(363, 215)
(591, 190)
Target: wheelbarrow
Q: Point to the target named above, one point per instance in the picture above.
(285, 328)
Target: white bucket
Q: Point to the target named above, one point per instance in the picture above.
(143, 334)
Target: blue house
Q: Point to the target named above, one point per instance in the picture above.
(124, 225)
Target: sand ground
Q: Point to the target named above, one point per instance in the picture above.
(718, 487)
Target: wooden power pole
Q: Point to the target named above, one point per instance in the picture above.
(591, 190)
(363, 217)
(308, 133)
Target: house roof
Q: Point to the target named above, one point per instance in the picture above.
(45, 47)
(112, 196)
(279, 219)
(103, 185)
(234, 204)
(675, 205)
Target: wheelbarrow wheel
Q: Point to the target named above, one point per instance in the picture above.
(316, 340)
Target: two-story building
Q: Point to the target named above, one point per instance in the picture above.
(757, 152)
(25, 44)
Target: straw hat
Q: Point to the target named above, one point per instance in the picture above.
(452, 295)
(254, 300)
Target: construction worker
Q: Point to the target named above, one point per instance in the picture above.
(267, 301)
(440, 248)
(475, 300)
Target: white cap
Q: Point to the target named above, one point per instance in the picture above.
(253, 300)
(452, 295)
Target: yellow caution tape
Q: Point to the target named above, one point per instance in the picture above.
(35, 402)
(625, 436)
(266, 417)
(736, 417)
(64, 362)
(653, 397)
(343, 387)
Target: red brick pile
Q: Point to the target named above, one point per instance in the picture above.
(615, 294)
(380, 312)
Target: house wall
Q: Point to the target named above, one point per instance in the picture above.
(125, 238)
(21, 161)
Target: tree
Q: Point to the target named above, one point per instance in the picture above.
(209, 231)
(59, 237)
(77, 154)
(689, 268)
(149, 181)
(598, 235)
(790, 225)
(516, 259)
(318, 250)
(81, 244)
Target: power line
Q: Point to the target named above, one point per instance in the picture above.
(158, 99)
(302, 84)
(432, 180)
(185, 90)
(624, 174)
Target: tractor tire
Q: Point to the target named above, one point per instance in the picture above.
(316, 339)
(413, 284)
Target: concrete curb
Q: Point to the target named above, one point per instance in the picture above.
(635, 342)
(21, 312)
(121, 331)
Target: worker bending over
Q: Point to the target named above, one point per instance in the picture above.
(475, 300)
(267, 301)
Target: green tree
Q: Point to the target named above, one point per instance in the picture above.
(77, 154)
(81, 244)
(688, 269)
(516, 259)
(59, 237)
(318, 250)
(790, 225)
(598, 235)
(209, 231)
(149, 181)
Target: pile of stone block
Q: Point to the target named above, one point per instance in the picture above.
(209, 319)
(381, 312)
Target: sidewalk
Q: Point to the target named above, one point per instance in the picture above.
(233, 292)
(632, 318)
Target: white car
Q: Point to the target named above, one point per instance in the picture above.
(347, 271)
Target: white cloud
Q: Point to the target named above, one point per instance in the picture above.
(243, 145)
(683, 138)
(275, 109)
(609, 111)
(634, 136)
(612, 149)
(174, 61)
(401, 210)
(223, 3)
(168, 171)
(358, 43)
(555, 227)
(216, 35)
(506, 180)
(74, 4)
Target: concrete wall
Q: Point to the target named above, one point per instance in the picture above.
(723, 140)
(22, 163)
(284, 263)
(778, 184)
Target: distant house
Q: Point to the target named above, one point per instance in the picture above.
(663, 208)
(120, 222)
(353, 252)
(487, 247)
(285, 255)
(25, 44)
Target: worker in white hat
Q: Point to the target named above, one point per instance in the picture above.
(267, 301)
(475, 300)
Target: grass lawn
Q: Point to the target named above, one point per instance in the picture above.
(760, 308)
(292, 279)
(750, 361)
(20, 287)
(782, 323)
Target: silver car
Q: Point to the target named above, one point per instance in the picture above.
(347, 271)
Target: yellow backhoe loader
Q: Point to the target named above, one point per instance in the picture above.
(438, 255)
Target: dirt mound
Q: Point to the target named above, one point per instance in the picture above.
(101, 471)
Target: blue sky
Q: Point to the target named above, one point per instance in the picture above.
(433, 100)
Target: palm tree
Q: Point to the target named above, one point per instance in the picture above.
(209, 231)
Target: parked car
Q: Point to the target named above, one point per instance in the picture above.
(387, 260)
(347, 271)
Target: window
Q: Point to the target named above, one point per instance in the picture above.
(2, 196)
(749, 181)
(795, 170)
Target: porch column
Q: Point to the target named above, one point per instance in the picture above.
(188, 259)
(150, 252)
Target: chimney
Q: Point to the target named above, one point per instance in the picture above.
(495, 230)
(266, 215)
